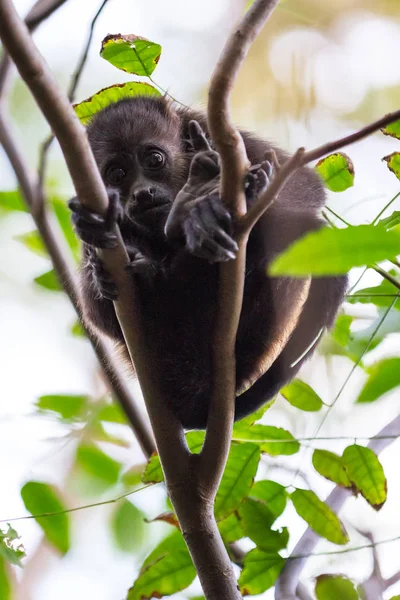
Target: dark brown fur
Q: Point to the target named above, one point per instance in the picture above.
(179, 299)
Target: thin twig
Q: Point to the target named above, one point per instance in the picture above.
(71, 91)
(289, 578)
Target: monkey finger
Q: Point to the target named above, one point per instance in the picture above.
(108, 290)
(78, 209)
(222, 215)
(198, 137)
(106, 240)
(224, 240)
(268, 167)
(115, 212)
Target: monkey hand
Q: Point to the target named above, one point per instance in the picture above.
(96, 230)
(141, 265)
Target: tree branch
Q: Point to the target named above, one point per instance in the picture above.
(289, 578)
(34, 197)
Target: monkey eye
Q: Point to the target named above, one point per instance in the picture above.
(153, 159)
(115, 175)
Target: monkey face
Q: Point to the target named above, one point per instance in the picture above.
(138, 148)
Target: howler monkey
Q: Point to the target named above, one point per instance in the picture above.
(144, 147)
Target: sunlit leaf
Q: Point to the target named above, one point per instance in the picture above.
(272, 493)
(11, 549)
(86, 109)
(319, 516)
(69, 408)
(133, 477)
(167, 570)
(77, 330)
(380, 295)
(330, 465)
(393, 129)
(12, 201)
(240, 470)
(342, 329)
(335, 251)
(384, 376)
(33, 242)
(302, 396)
(391, 221)
(112, 413)
(333, 587)
(63, 215)
(131, 53)
(253, 417)
(337, 171)
(272, 440)
(367, 474)
(231, 529)
(49, 281)
(127, 524)
(256, 519)
(98, 464)
(393, 163)
(260, 571)
(41, 498)
(5, 580)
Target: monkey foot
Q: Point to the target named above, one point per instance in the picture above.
(257, 180)
(93, 229)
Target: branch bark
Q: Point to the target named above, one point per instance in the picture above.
(33, 195)
(288, 580)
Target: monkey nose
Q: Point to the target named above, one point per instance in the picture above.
(144, 195)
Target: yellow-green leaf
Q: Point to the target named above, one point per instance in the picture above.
(330, 465)
(131, 53)
(33, 242)
(240, 470)
(335, 587)
(127, 524)
(12, 201)
(41, 498)
(49, 281)
(335, 251)
(393, 130)
(231, 529)
(69, 408)
(86, 109)
(319, 516)
(63, 215)
(390, 221)
(366, 473)
(260, 571)
(272, 440)
(256, 519)
(302, 396)
(253, 417)
(5, 580)
(273, 494)
(393, 163)
(98, 464)
(384, 376)
(11, 549)
(337, 171)
(380, 295)
(342, 329)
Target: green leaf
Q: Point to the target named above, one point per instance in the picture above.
(41, 498)
(167, 570)
(12, 201)
(337, 171)
(88, 108)
(393, 130)
(68, 408)
(49, 281)
(112, 413)
(272, 440)
(77, 330)
(393, 163)
(391, 221)
(98, 464)
(256, 520)
(273, 494)
(260, 571)
(384, 376)
(127, 524)
(240, 470)
(330, 465)
(253, 417)
(133, 477)
(342, 330)
(153, 471)
(5, 581)
(367, 474)
(380, 295)
(231, 529)
(11, 550)
(302, 396)
(319, 516)
(335, 251)
(333, 587)
(63, 215)
(131, 53)
(33, 242)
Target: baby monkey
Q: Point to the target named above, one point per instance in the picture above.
(147, 150)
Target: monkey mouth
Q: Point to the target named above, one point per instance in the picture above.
(147, 209)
